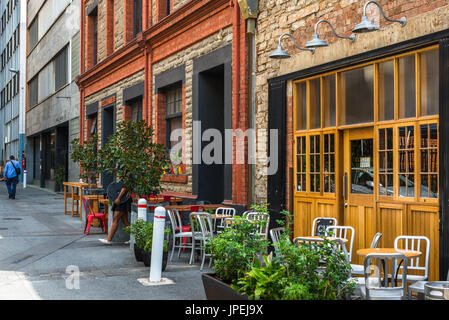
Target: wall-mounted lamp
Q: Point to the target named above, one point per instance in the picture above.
(317, 42)
(280, 53)
(368, 26)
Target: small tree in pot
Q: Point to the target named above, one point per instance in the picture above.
(87, 156)
(132, 155)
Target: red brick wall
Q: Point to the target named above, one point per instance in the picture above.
(110, 27)
(128, 6)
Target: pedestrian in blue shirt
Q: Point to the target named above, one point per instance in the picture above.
(11, 175)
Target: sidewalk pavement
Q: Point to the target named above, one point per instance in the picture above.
(40, 247)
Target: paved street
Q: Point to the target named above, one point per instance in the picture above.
(38, 242)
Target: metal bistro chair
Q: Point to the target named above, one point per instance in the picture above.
(259, 217)
(414, 243)
(178, 234)
(321, 224)
(202, 231)
(380, 285)
(343, 232)
(358, 268)
(337, 243)
(222, 212)
(275, 236)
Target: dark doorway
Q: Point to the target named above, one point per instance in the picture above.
(62, 151)
(211, 177)
(108, 128)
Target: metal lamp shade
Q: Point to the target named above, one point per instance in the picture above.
(365, 26)
(316, 42)
(279, 53)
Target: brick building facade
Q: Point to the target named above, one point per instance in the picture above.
(419, 47)
(153, 60)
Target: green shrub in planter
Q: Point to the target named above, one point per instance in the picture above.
(299, 273)
(143, 236)
(235, 250)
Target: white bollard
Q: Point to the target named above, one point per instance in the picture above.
(158, 244)
(142, 209)
(24, 179)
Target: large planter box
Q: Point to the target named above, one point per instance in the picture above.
(218, 290)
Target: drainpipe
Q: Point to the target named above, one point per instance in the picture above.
(250, 12)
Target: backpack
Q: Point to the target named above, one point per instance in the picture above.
(18, 171)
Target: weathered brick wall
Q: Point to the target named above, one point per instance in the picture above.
(186, 57)
(299, 17)
(119, 27)
(117, 89)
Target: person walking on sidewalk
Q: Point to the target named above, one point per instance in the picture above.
(11, 175)
(120, 210)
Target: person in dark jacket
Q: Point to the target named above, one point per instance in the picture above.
(11, 176)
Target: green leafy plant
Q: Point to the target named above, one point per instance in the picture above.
(60, 175)
(143, 234)
(306, 272)
(133, 157)
(86, 155)
(235, 250)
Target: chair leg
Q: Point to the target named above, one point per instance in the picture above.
(203, 255)
(85, 226)
(193, 252)
(173, 248)
(89, 221)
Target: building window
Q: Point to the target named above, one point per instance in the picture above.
(406, 161)
(61, 69)
(168, 6)
(137, 17)
(385, 153)
(173, 114)
(33, 92)
(93, 24)
(429, 160)
(315, 163)
(301, 164)
(33, 33)
(136, 109)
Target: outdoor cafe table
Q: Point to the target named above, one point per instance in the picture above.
(76, 193)
(187, 207)
(328, 238)
(410, 254)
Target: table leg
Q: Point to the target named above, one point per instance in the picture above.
(65, 199)
(73, 201)
(81, 204)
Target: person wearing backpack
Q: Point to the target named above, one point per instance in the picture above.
(11, 175)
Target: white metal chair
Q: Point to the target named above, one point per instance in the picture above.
(379, 285)
(222, 212)
(202, 231)
(275, 236)
(358, 268)
(343, 232)
(321, 224)
(415, 243)
(263, 220)
(175, 220)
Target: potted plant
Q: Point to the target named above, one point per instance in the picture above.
(298, 272)
(132, 155)
(233, 251)
(137, 231)
(148, 239)
(143, 235)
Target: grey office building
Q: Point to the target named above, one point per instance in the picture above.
(52, 120)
